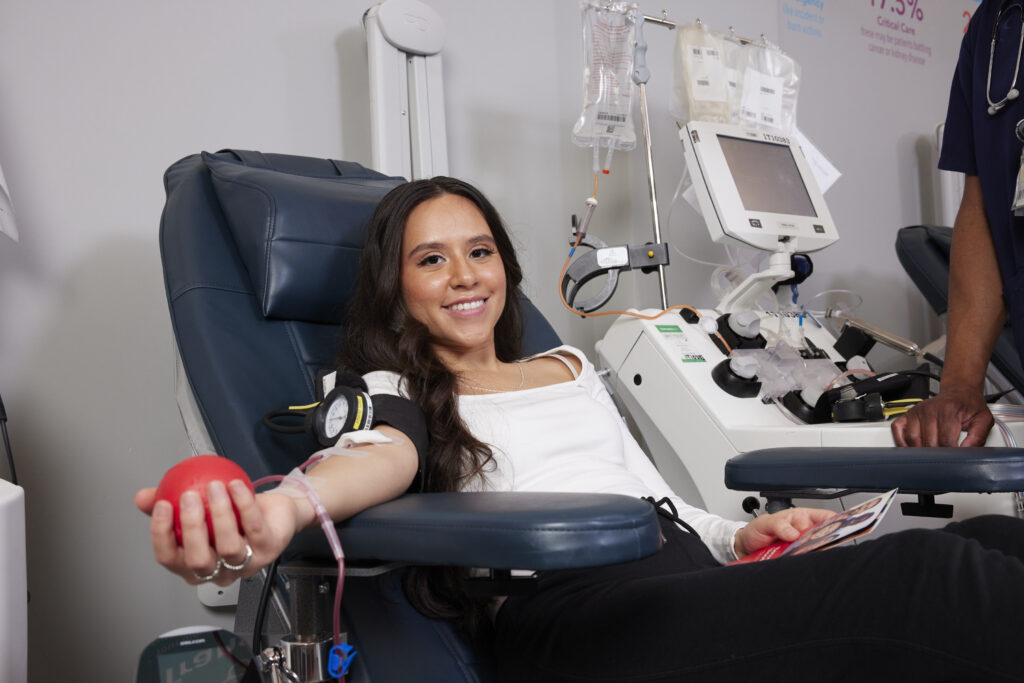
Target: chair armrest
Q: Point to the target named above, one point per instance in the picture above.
(912, 470)
(495, 530)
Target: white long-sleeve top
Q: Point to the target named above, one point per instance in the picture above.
(568, 437)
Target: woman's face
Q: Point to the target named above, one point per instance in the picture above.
(453, 279)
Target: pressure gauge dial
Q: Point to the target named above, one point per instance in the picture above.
(345, 409)
(335, 418)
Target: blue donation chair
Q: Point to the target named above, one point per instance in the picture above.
(260, 253)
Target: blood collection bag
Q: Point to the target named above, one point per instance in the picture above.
(700, 83)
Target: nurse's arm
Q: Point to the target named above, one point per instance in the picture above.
(975, 318)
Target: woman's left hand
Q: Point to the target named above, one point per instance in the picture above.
(785, 525)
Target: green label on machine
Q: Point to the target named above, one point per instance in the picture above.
(675, 338)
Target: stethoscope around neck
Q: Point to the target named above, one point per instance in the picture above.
(994, 106)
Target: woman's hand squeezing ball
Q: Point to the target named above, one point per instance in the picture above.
(208, 525)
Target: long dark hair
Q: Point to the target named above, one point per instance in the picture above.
(381, 335)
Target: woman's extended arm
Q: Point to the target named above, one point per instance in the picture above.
(347, 483)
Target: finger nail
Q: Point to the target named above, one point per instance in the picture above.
(162, 511)
(238, 488)
(217, 491)
(190, 500)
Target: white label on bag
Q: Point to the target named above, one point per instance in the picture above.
(762, 99)
(707, 78)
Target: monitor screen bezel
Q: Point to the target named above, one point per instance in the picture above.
(728, 220)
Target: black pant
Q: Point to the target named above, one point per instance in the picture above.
(916, 605)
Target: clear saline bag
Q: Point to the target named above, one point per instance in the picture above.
(609, 31)
(771, 87)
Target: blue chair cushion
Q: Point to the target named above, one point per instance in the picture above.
(299, 235)
(912, 470)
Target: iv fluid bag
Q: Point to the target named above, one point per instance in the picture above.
(771, 86)
(609, 35)
(701, 77)
(732, 54)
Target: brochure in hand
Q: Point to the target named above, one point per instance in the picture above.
(837, 529)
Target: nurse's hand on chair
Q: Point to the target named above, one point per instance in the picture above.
(939, 420)
(268, 522)
(785, 525)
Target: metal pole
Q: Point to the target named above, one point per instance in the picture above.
(641, 74)
(650, 186)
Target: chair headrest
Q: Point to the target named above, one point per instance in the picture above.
(299, 235)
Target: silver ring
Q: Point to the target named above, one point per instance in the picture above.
(241, 565)
(212, 575)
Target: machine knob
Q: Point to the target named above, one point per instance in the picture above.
(737, 376)
(744, 366)
(810, 395)
(709, 325)
(746, 324)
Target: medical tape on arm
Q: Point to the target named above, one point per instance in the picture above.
(296, 483)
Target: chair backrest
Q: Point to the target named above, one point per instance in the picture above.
(260, 253)
(923, 251)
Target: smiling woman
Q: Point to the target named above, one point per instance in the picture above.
(453, 281)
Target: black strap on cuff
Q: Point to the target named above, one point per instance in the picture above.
(406, 417)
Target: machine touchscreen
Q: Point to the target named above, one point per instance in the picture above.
(766, 176)
(756, 188)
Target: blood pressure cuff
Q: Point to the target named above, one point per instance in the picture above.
(406, 417)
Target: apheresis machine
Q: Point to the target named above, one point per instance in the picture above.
(759, 370)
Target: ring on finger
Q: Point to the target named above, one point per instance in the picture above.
(241, 565)
(212, 575)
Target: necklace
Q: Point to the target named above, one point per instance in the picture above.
(522, 382)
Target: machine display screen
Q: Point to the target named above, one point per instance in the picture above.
(766, 177)
(210, 657)
(202, 666)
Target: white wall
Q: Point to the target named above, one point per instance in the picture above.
(98, 98)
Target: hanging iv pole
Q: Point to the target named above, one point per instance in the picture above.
(641, 74)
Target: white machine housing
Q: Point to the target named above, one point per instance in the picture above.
(660, 377)
(756, 188)
(13, 585)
